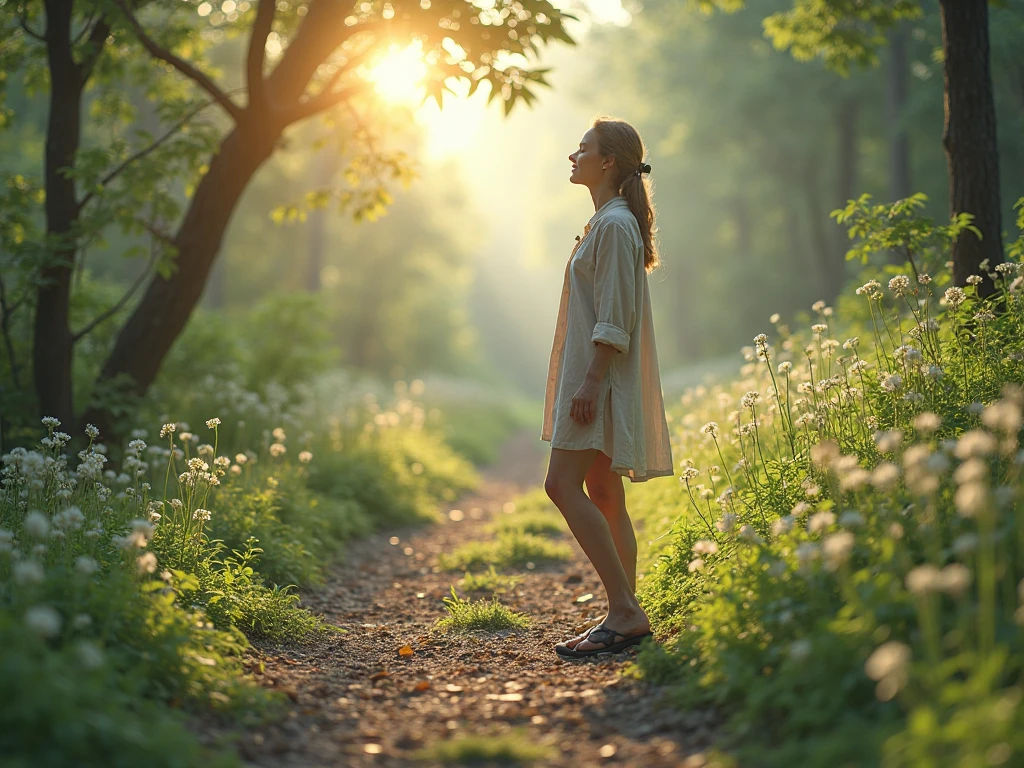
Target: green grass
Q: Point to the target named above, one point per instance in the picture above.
(489, 581)
(515, 748)
(534, 522)
(489, 615)
(509, 549)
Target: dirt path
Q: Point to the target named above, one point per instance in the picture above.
(358, 702)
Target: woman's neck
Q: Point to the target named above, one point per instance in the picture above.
(602, 195)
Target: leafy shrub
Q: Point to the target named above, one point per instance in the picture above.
(845, 570)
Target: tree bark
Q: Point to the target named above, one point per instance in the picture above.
(52, 343)
(969, 137)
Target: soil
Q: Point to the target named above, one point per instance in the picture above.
(388, 686)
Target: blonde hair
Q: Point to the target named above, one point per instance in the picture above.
(618, 139)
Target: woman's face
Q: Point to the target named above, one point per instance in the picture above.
(588, 166)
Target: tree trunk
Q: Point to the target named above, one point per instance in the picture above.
(969, 136)
(161, 314)
(52, 343)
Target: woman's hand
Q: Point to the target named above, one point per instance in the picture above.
(584, 402)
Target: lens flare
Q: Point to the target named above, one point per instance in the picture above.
(398, 74)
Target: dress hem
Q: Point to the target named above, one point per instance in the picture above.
(624, 471)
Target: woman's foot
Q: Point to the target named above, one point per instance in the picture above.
(571, 643)
(623, 624)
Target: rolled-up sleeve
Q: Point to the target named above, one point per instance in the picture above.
(614, 286)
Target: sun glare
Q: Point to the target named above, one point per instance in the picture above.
(398, 75)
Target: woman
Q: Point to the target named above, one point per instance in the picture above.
(603, 412)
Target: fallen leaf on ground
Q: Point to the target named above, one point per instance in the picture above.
(406, 650)
(585, 598)
(422, 685)
(378, 675)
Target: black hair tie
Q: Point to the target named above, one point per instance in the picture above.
(643, 168)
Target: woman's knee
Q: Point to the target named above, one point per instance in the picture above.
(556, 489)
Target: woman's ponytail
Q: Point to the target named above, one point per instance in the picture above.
(620, 140)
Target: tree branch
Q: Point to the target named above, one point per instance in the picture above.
(328, 97)
(322, 102)
(257, 53)
(141, 154)
(128, 294)
(85, 27)
(97, 37)
(23, 22)
(191, 72)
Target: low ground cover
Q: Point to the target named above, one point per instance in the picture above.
(840, 570)
(130, 589)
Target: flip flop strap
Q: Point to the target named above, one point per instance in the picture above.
(608, 631)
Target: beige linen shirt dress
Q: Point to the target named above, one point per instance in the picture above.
(606, 298)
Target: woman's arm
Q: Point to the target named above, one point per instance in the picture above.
(583, 402)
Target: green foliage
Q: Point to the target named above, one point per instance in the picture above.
(489, 616)
(510, 548)
(842, 32)
(897, 227)
(515, 748)
(489, 581)
(845, 556)
(153, 579)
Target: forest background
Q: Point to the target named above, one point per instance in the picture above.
(460, 275)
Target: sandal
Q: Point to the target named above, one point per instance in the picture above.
(609, 647)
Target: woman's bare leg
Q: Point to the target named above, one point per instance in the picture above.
(564, 485)
(605, 489)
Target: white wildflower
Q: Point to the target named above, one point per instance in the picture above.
(36, 524)
(954, 297)
(971, 499)
(203, 515)
(213, 423)
(146, 563)
(889, 441)
(43, 620)
(892, 382)
(954, 579)
(782, 525)
(975, 442)
(923, 580)
(726, 523)
(885, 476)
(1003, 416)
(851, 519)
(836, 549)
(820, 521)
(28, 572)
(899, 285)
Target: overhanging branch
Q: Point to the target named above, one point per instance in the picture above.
(197, 76)
(113, 174)
(257, 53)
(323, 101)
(129, 293)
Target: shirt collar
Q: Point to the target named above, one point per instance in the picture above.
(616, 202)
